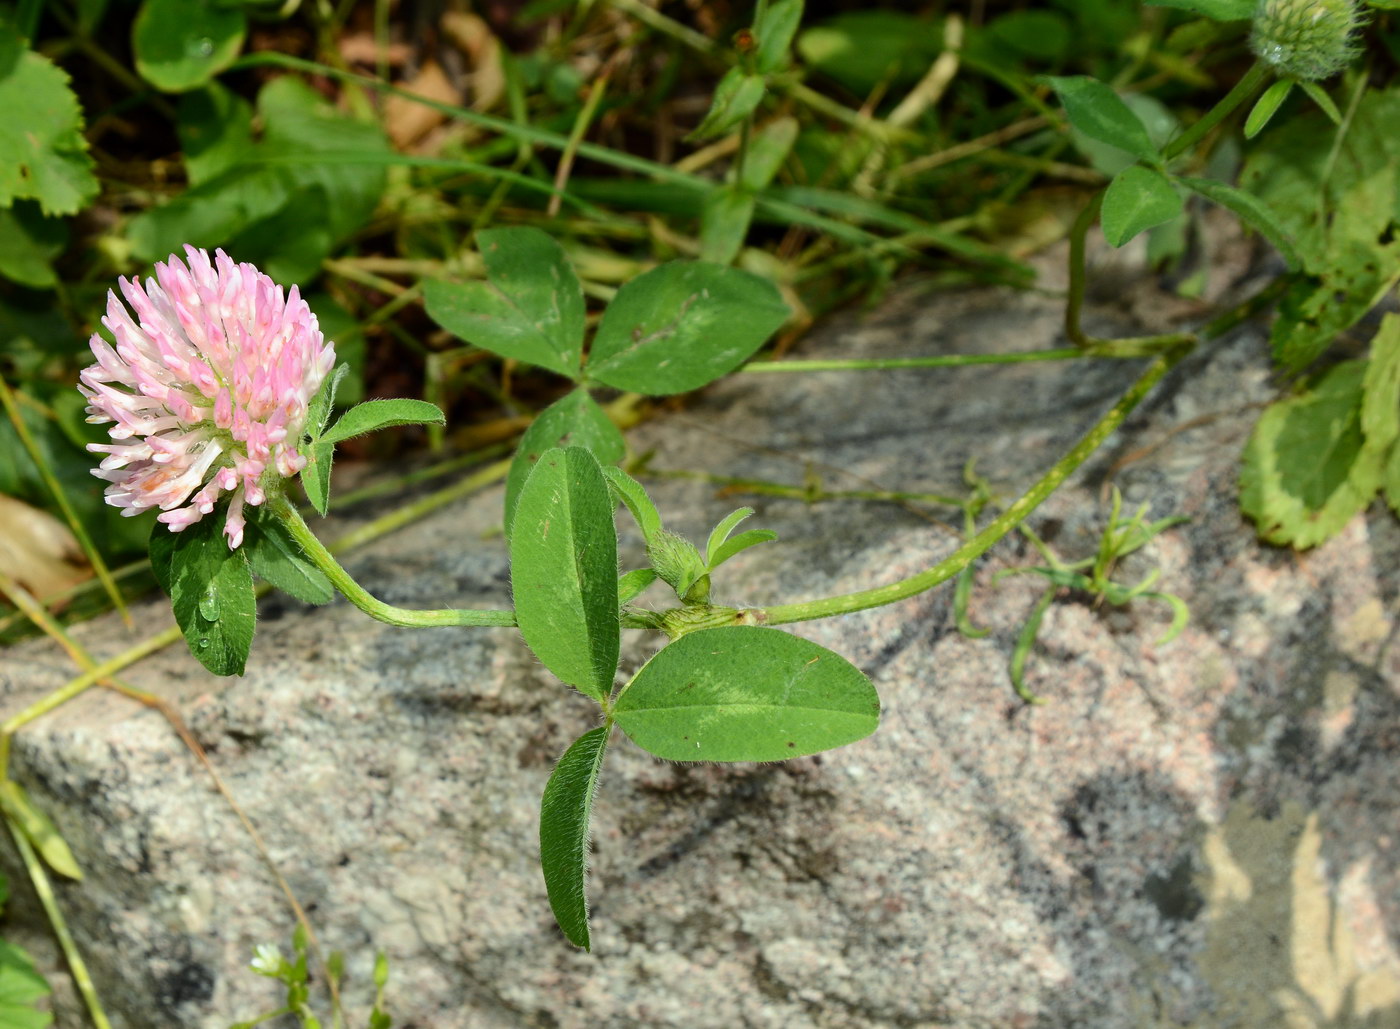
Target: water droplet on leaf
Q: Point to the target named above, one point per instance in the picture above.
(209, 604)
(202, 643)
(201, 47)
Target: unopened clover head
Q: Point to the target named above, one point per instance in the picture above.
(207, 389)
(1309, 40)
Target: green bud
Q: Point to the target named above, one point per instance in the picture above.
(1306, 39)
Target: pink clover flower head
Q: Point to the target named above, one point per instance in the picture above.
(207, 389)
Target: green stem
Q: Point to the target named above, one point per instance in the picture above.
(984, 540)
(44, 889)
(1078, 277)
(891, 363)
(1258, 74)
(285, 510)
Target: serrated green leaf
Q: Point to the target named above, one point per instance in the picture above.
(563, 570)
(531, 308)
(768, 149)
(1136, 200)
(1219, 10)
(373, 415)
(1097, 111)
(211, 591)
(743, 693)
(631, 585)
(565, 811)
(1250, 210)
(724, 224)
(21, 986)
(574, 420)
(182, 44)
(634, 496)
(28, 244)
(737, 95)
(1266, 107)
(681, 325)
(38, 829)
(43, 153)
(773, 34)
(1307, 470)
(275, 557)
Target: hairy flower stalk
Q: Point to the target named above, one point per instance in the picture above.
(1309, 40)
(208, 389)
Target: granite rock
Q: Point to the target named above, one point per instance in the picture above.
(1204, 833)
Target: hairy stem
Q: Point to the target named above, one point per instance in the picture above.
(322, 558)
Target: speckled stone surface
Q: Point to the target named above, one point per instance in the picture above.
(1202, 834)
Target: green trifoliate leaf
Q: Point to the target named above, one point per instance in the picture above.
(211, 591)
(182, 44)
(746, 694)
(275, 557)
(773, 34)
(1137, 199)
(1307, 467)
(21, 987)
(565, 812)
(530, 308)
(1097, 111)
(1266, 107)
(43, 154)
(373, 415)
(563, 570)
(574, 420)
(681, 325)
(1250, 210)
(736, 97)
(38, 829)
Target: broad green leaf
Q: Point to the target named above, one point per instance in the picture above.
(1161, 124)
(216, 132)
(38, 829)
(574, 420)
(681, 325)
(563, 570)
(631, 585)
(740, 543)
(1266, 107)
(1380, 401)
(1137, 199)
(1097, 111)
(743, 693)
(768, 149)
(43, 153)
(1307, 469)
(1250, 210)
(565, 811)
(773, 34)
(28, 243)
(531, 308)
(373, 415)
(21, 986)
(182, 44)
(634, 496)
(316, 475)
(277, 558)
(211, 591)
(736, 97)
(1219, 10)
(724, 224)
